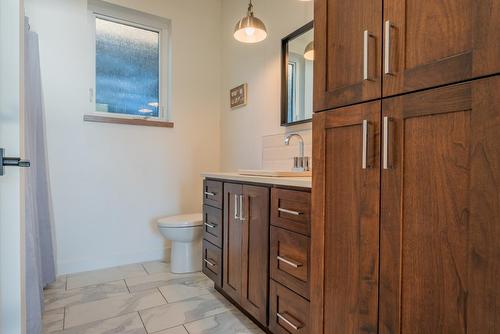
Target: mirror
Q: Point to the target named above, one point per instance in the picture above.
(297, 57)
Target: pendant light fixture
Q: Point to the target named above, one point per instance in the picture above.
(250, 29)
(309, 51)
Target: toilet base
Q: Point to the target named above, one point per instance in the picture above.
(185, 257)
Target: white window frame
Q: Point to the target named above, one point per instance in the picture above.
(114, 13)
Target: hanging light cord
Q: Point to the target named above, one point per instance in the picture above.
(250, 8)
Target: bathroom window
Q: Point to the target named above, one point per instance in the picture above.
(130, 62)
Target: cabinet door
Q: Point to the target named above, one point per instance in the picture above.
(347, 42)
(440, 222)
(255, 249)
(345, 223)
(435, 42)
(231, 281)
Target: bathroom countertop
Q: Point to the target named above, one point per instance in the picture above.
(303, 182)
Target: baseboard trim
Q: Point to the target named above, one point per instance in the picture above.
(112, 260)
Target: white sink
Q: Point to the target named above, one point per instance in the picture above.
(273, 173)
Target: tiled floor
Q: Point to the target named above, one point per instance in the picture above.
(139, 299)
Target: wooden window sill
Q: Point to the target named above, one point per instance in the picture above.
(129, 121)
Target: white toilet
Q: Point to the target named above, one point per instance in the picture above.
(185, 232)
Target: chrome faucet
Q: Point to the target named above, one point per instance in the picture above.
(300, 163)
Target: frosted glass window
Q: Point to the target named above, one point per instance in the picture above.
(127, 69)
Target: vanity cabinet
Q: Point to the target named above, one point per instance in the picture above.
(263, 262)
(246, 247)
(405, 213)
(212, 230)
(400, 45)
(290, 259)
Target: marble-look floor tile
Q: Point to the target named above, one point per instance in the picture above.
(53, 320)
(155, 280)
(185, 288)
(175, 330)
(175, 314)
(155, 267)
(111, 307)
(126, 324)
(65, 298)
(105, 275)
(233, 322)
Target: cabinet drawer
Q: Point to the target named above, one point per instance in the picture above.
(290, 260)
(212, 262)
(212, 193)
(212, 225)
(291, 210)
(288, 312)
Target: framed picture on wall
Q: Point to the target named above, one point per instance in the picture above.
(238, 96)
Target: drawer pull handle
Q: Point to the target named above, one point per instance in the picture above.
(295, 213)
(208, 193)
(288, 322)
(211, 264)
(289, 262)
(210, 225)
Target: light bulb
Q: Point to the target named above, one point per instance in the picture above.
(249, 31)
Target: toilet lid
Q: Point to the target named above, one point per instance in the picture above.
(194, 219)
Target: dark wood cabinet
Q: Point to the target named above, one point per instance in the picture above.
(255, 251)
(212, 225)
(440, 222)
(233, 241)
(246, 247)
(428, 262)
(428, 43)
(212, 262)
(288, 312)
(291, 210)
(289, 260)
(366, 49)
(345, 233)
(348, 44)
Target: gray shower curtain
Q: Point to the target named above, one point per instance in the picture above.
(40, 263)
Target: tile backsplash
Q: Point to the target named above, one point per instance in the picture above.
(278, 156)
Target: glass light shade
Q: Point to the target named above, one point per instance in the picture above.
(250, 30)
(309, 51)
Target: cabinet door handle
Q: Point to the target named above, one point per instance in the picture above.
(366, 54)
(295, 213)
(288, 322)
(210, 225)
(208, 193)
(386, 156)
(211, 264)
(289, 262)
(365, 164)
(387, 48)
(236, 205)
(241, 209)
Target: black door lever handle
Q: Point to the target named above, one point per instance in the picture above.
(13, 162)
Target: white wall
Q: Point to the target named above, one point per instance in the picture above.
(259, 65)
(110, 182)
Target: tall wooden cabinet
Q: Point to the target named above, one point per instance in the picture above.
(345, 233)
(366, 49)
(440, 222)
(406, 213)
(246, 247)
(347, 44)
(428, 43)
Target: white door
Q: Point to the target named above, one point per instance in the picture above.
(11, 225)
